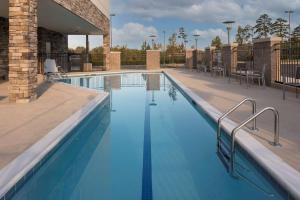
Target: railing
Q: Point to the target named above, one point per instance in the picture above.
(70, 61)
(172, 59)
(252, 101)
(133, 59)
(252, 118)
(289, 53)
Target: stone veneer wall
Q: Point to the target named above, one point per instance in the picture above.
(229, 57)
(59, 41)
(88, 11)
(22, 50)
(3, 45)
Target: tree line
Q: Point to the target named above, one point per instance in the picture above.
(266, 27)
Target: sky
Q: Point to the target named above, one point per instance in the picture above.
(136, 20)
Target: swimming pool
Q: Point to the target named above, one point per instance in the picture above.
(147, 141)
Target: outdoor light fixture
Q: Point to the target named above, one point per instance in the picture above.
(164, 32)
(152, 38)
(196, 40)
(228, 25)
(111, 17)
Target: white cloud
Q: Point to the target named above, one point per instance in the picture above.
(132, 34)
(207, 11)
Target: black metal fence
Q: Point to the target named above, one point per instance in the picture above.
(286, 69)
(245, 57)
(133, 59)
(170, 59)
(70, 61)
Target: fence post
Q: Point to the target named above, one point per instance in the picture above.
(229, 57)
(264, 52)
(153, 59)
(115, 60)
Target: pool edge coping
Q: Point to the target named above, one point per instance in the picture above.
(281, 171)
(14, 171)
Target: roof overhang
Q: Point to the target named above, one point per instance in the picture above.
(55, 17)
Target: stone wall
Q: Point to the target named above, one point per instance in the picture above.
(189, 58)
(22, 50)
(3, 46)
(59, 42)
(88, 11)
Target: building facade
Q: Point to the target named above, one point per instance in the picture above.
(29, 28)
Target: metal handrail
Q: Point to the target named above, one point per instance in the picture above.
(236, 129)
(232, 110)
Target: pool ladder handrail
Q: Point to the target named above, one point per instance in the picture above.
(252, 101)
(244, 123)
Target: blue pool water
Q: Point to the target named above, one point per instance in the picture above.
(144, 142)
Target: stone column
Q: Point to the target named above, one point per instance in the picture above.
(153, 59)
(115, 60)
(264, 52)
(106, 50)
(189, 58)
(209, 56)
(22, 50)
(229, 57)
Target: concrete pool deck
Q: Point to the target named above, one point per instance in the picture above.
(223, 95)
(22, 125)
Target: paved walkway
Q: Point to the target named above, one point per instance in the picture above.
(24, 124)
(223, 95)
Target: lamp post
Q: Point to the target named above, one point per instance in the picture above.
(228, 25)
(196, 40)
(152, 39)
(164, 32)
(111, 17)
(290, 12)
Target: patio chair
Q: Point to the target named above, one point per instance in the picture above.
(219, 69)
(258, 75)
(202, 68)
(52, 71)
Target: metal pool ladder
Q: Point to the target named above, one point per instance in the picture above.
(227, 152)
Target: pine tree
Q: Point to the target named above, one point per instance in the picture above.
(240, 35)
(280, 28)
(296, 33)
(263, 26)
(216, 42)
(249, 32)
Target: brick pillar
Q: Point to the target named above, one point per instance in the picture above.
(264, 51)
(153, 59)
(22, 50)
(106, 50)
(229, 57)
(209, 56)
(115, 60)
(189, 58)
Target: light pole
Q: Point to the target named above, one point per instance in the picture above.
(152, 39)
(196, 40)
(164, 32)
(111, 17)
(290, 12)
(228, 25)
